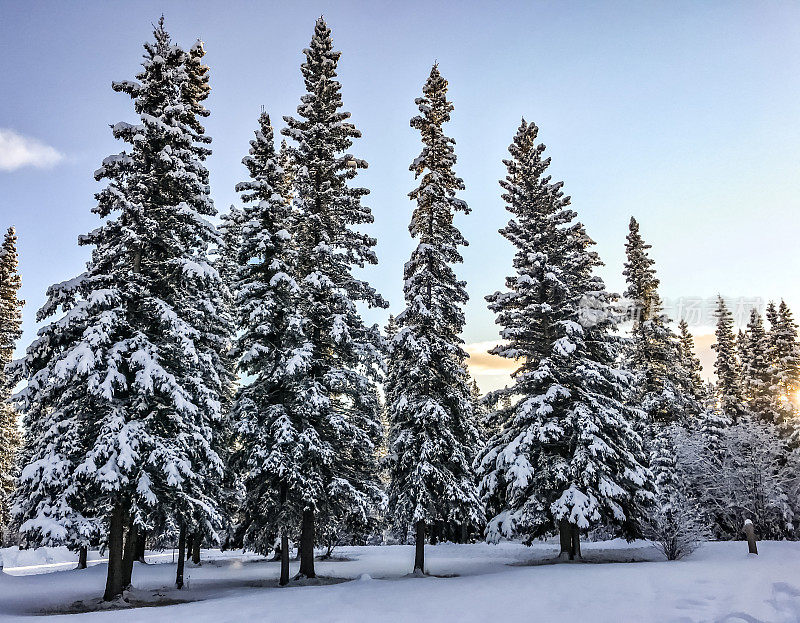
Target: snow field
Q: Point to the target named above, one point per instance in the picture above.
(479, 582)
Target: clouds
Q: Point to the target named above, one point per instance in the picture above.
(490, 371)
(481, 362)
(17, 151)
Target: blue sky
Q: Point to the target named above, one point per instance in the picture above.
(684, 114)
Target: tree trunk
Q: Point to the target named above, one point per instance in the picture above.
(83, 555)
(565, 538)
(307, 545)
(129, 553)
(196, 542)
(189, 546)
(419, 555)
(576, 541)
(114, 578)
(284, 559)
(140, 547)
(464, 532)
(181, 556)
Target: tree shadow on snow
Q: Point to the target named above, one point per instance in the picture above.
(595, 556)
(193, 591)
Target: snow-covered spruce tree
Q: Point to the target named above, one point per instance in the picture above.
(227, 265)
(123, 393)
(662, 382)
(784, 360)
(10, 332)
(691, 369)
(566, 457)
(273, 353)
(726, 366)
(432, 436)
(755, 369)
(339, 410)
(216, 328)
(663, 389)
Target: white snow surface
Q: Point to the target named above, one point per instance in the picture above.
(506, 582)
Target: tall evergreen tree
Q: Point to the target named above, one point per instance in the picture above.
(784, 362)
(566, 456)
(690, 365)
(340, 408)
(655, 357)
(123, 396)
(273, 351)
(432, 436)
(10, 332)
(755, 369)
(726, 366)
(216, 329)
(227, 265)
(640, 277)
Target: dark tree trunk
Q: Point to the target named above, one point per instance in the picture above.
(181, 556)
(570, 538)
(189, 546)
(576, 542)
(196, 542)
(140, 547)
(565, 538)
(83, 555)
(284, 559)
(129, 553)
(307, 545)
(114, 584)
(419, 556)
(464, 533)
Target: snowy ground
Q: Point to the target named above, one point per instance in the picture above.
(504, 583)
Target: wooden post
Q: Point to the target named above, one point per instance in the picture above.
(751, 537)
